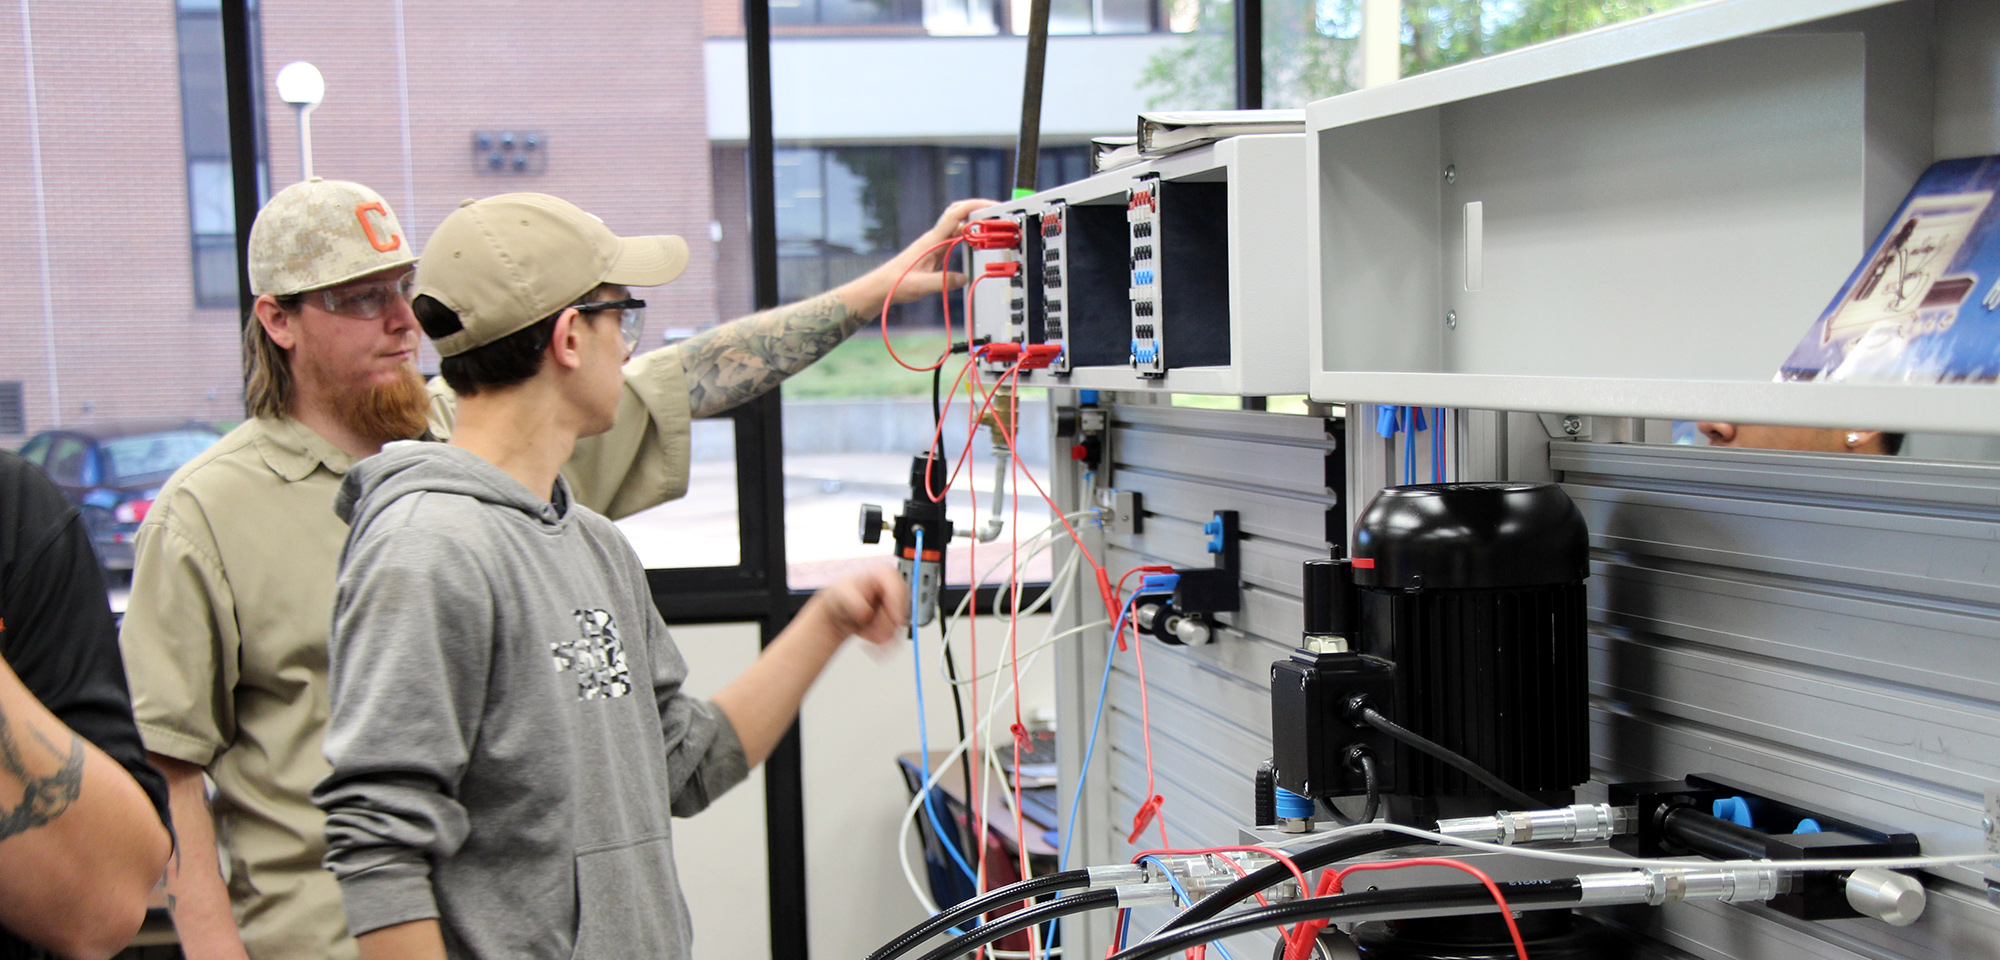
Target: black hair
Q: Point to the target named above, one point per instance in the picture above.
(1892, 443)
(512, 359)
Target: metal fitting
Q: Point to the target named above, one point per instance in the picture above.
(1658, 886)
(1144, 614)
(1116, 874)
(1192, 631)
(1625, 886)
(1896, 899)
(1724, 886)
(1141, 894)
(1581, 822)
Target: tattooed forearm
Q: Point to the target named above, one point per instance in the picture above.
(744, 358)
(43, 798)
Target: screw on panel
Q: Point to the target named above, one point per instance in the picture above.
(1451, 319)
(1572, 425)
(1451, 173)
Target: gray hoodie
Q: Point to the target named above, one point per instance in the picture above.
(509, 739)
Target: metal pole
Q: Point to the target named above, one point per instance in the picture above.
(1249, 54)
(306, 141)
(760, 453)
(1028, 148)
(239, 81)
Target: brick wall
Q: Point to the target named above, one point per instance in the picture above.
(126, 341)
(615, 88)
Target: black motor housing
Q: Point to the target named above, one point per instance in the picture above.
(1473, 594)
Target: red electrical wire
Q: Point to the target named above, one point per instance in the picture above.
(945, 295)
(1330, 881)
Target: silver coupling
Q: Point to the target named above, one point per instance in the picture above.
(1142, 894)
(1657, 886)
(1581, 822)
(1116, 874)
(1747, 885)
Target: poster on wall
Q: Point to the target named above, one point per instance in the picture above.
(1924, 305)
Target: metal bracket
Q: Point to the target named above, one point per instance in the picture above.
(1565, 426)
(1122, 516)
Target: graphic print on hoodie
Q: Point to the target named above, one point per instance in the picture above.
(497, 762)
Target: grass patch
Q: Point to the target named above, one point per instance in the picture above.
(861, 367)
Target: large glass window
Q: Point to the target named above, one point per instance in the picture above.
(1312, 48)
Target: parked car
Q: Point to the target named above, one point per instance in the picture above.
(112, 472)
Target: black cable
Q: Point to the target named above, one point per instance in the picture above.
(1458, 898)
(1270, 875)
(1021, 920)
(1366, 762)
(937, 389)
(1438, 751)
(1011, 893)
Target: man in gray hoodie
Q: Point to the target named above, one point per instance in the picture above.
(509, 738)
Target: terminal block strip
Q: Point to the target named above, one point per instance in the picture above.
(1055, 297)
(1142, 215)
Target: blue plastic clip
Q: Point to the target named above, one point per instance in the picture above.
(1086, 396)
(1158, 583)
(1214, 530)
(1736, 810)
(1808, 825)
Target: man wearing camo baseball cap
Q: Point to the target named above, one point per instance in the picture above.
(225, 632)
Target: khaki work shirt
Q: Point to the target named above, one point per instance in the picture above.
(225, 633)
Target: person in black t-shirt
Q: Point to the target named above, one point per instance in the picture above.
(83, 831)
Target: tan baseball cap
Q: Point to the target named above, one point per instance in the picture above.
(505, 262)
(324, 232)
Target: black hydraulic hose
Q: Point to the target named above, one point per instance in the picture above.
(1417, 742)
(1273, 874)
(1460, 898)
(1011, 893)
(1021, 920)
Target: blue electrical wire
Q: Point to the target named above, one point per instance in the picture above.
(1186, 900)
(1409, 445)
(1437, 444)
(1103, 685)
(923, 729)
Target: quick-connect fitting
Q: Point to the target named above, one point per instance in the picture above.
(1295, 812)
(1657, 886)
(1581, 822)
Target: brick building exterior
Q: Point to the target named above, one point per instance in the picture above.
(97, 297)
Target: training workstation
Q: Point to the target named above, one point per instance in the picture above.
(1524, 483)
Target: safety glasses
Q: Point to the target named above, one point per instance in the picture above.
(369, 300)
(631, 317)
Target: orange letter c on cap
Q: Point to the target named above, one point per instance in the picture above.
(375, 240)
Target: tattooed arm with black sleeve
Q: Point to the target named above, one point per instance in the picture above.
(82, 842)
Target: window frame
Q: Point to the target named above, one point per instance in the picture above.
(755, 589)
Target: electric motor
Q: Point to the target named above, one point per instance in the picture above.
(1461, 618)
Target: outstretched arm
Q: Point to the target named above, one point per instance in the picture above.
(762, 703)
(744, 358)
